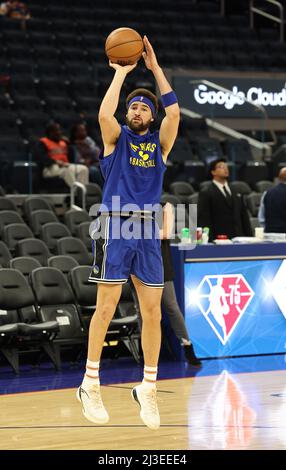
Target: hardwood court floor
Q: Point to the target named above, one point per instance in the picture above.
(224, 411)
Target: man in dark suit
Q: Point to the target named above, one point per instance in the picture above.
(275, 205)
(221, 208)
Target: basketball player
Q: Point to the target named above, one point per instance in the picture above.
(133, 166)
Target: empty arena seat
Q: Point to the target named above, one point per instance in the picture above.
(85, 291)
(74, 218)
(241, 187)
(64, 263)
(83, 234)
(8, 217)
(51, 232)
(125, 324)
(93, 195)
(5, 254)
(182, 190)
(13, 233)
(56, 302)
(7, 204)
(17, 296)
(9, 331)
(34, 248)
(263, 185)
(41, 217)
(75, 248)
(24, 264)
(252, 202)
(35, 203)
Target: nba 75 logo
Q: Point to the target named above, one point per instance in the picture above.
(223, 299)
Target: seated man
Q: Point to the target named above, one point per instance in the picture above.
(83, 149)
(52, 156)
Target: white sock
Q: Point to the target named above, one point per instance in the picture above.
(150, 376)
(91, 376)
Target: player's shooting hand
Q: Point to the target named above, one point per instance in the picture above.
(123, 68)
(149, 55)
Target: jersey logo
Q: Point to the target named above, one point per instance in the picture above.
(134, 147)
(143, 155)
(95, 269)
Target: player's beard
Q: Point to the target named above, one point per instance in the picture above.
(138, 126)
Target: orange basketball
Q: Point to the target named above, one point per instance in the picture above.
(124, 46)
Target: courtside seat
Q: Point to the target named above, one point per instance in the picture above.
(85, 291)
(8, 338)
(17, 298)
(125, 324)
(56, 301)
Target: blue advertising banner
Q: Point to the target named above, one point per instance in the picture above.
(203, 99)
(236, 307)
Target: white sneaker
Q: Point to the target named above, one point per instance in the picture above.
(92, 406)
(147, 400)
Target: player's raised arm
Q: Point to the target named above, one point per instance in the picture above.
(110, 129)
(170, 124)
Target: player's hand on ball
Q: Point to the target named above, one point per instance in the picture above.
(149, 56)
(125, 68)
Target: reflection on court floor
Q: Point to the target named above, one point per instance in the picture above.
(223, 410)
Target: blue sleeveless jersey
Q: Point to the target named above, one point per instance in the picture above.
(134, 170)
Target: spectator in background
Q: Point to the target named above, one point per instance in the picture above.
(274, 202)
(221, 208)
(15, 9)
(84, 150)
(169, 300)
(52, 156)
(4, 8)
